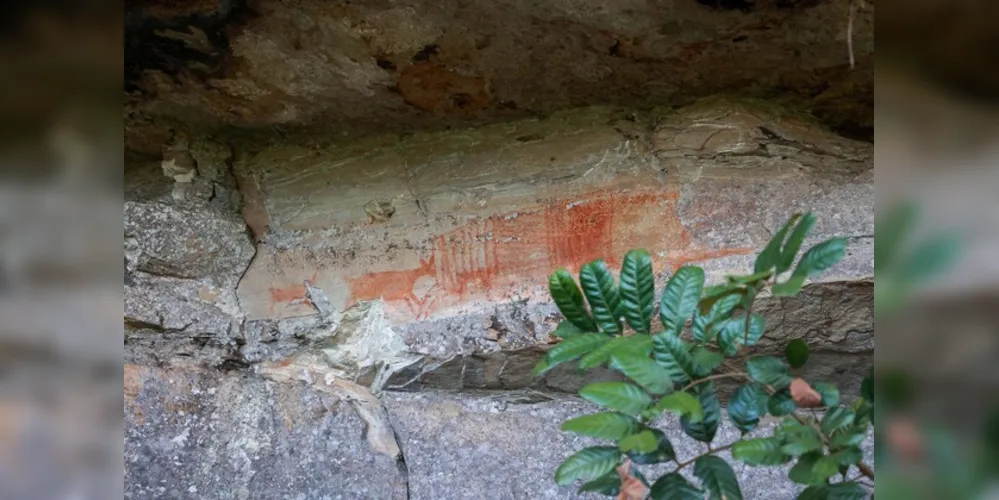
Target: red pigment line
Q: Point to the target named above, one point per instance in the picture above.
(694, 256)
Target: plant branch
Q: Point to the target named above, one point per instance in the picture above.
(866, 470)
(713, 377)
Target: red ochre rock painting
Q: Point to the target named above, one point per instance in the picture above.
(493, 258)
(291, 294)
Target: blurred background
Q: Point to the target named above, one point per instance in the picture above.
(937, 149)
(60, 210)
(61, 158)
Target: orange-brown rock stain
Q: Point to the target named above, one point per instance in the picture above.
(493, 257)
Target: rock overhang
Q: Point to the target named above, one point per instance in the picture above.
(351, 69)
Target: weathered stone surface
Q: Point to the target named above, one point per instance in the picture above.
(357, 68)
(165, 240)
(522, 199)
(449, 281)
(175, 304)
(204, 434)
(458, 270)
(390, 251)
(182, 264)
(508, 445)
(192, 433)
(836, 319)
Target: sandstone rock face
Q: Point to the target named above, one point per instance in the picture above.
(359, 68)
(706, 186)
(452, 235)
(185, 250)
(192, 433)
(293, 310)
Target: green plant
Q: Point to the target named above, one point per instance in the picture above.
(706, 334)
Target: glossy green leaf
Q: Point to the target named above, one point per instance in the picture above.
(663, 453)
(812, 469)
(743, 409)
(637, 289)
(836, 419)
(680, 298)
(712, 294)
(829, 392)
(566, 329)
(701, 327)
(541, 368)
(847, 456)
(730, 335)
(794, 241)
(643, 371)
(643, 442)
(606, 425)
(760, 451)
(603, 295)
(825, 466)
(818, 258)
(672, 354)
(864, 413)
(791, 428)
(705, 360)
(771, 254)
(620, 396)
(757, 327)
(570, 349)
(680, 403)
(822, 256)
(608, 485)
(587, 464)
(796, 353)
(846, 491)
(800, 444)
(762, 399)
(705, 429)
(788, 288)
(715, 292)
(780, 404)
(813, 493)
(768, 370)
(570, 300)
(673, 486)
(637, 345)
(850, 437)
(717, 478)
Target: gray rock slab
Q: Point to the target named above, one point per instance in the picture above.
(196, 433)
(186, 243)
(508, 445)
(836, 319)
(192, 434)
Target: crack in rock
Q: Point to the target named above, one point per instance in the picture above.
(312, 369)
